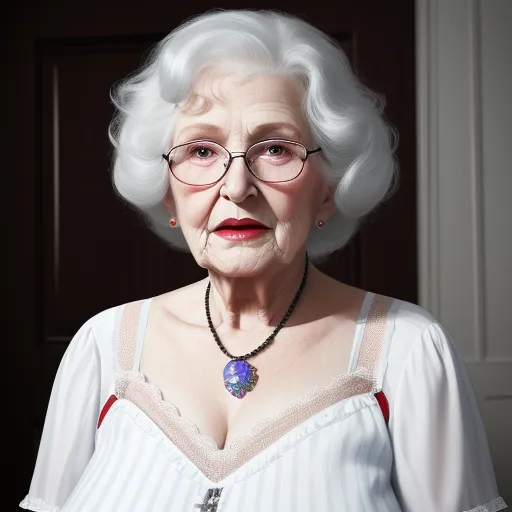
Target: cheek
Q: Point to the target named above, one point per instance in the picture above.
(299, 202)
(193, 206)
(294, 215)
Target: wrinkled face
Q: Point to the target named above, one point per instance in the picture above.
(236, 113)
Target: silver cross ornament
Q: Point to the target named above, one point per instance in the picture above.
(211, 500)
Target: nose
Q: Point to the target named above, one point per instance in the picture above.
(239, 183)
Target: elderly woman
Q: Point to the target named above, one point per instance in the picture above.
(268, 386)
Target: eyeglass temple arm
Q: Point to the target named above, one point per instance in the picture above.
(310, 152)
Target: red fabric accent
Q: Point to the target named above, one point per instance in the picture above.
(380, 396)
(106, 407)
(384, 405)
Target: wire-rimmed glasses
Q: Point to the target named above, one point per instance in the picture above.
(204, 162)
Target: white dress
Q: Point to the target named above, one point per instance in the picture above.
(400, 431)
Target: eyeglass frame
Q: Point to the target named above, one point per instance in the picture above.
(241, 154)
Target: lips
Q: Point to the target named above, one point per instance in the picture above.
(240, 230)
(241, 224)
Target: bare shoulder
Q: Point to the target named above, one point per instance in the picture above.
(185, 304)
(334, 295)
(333, 298)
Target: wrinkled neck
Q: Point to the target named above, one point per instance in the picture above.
(243, 304)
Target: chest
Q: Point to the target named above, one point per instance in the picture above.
(187, 367)
(337, 441)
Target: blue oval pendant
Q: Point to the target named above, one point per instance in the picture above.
(239, 378)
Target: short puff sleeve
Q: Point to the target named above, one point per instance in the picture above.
(67, 441)
(442, 461)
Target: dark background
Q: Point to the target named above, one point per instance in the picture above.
(74, 249)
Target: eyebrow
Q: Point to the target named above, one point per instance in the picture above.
(201, 130)
(198, 130)
(276, 129)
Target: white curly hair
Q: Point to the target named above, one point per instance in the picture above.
(346, 119)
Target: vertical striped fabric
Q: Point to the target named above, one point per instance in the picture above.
(311, 468)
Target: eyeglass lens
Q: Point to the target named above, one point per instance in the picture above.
(203, 162)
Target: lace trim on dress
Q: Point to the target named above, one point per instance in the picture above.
(128, 335)
(374, 334)
(202, 449)
(37, 505)
(216, 464)
(492, 506)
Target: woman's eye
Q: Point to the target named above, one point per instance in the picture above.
(275, 150)
(202, 152)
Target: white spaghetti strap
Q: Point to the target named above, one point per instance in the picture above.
(141, 331)
(128, 333)
(358, 337)
(376, 337)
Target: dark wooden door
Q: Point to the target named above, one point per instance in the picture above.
(75, 248)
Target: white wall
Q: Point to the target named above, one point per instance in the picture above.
(464, 104)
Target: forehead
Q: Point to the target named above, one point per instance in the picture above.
(224, 99)
(239, 90)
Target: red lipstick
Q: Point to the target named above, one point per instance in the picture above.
(240, 229)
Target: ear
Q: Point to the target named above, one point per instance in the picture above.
(328, 206)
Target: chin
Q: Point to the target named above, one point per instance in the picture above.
(243, 262)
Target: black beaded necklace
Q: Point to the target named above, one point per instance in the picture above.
(240, 377)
